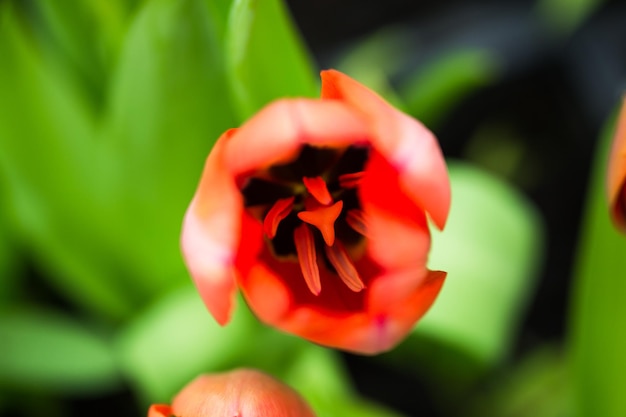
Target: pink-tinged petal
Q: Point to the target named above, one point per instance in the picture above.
(397, 309)
(243, 393)
(374, 330)
(397, 287)
(409, 146)
(276, 133)
(392, 217)
(159, 410)
(211, 231)
(616, 178)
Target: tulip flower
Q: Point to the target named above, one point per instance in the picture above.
(242, 392)
(317, 209)
(616, 180)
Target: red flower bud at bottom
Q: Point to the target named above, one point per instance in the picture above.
(238, 393)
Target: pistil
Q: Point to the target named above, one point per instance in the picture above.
(323, 218)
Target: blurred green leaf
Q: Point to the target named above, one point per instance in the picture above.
(433, 90)
(318, 374)
(491, 248)
(265, 57)
(164, 118)
(8, 270)
(564, 16)
(598, 308)
(47, 132)
(177, 339)
(537, 386)
(85, 37)
(44, 351)
(502, 150)
(374, 60)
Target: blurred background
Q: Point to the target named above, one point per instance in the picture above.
(108, 109)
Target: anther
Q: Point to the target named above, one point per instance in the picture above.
(277, 213)
(356, 220)
(351, 180)
(307, 257)
(316, 186)
(339, 258)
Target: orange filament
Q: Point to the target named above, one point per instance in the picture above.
(356, 220)
(305, 247)
(277, 213)
(350, 180)
(323, 217)
(316, 186)
(339, 258)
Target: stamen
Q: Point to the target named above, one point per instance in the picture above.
(323, 218)
(339, 258)
(351, 180)
(316, 186)
(305, 247)
(278, 212)
(356, 220)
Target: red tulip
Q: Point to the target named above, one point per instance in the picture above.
(243, 392)
(317, 210)
(616, 180)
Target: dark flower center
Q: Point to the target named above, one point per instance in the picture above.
(310, 207)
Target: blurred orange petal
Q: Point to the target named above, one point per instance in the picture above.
(159, 410)
(210, 233)
(242, 392)
(616, 179)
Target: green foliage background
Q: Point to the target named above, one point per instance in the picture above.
(108, 109)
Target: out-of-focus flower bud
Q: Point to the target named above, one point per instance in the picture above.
(238, 393)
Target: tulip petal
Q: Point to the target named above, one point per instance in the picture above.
(276, 133)
(616, 180)
(407, 306)
(392, 217)
(211, 230)
(261, 285)
(410, 147)
(374, 330)
(159, 410)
